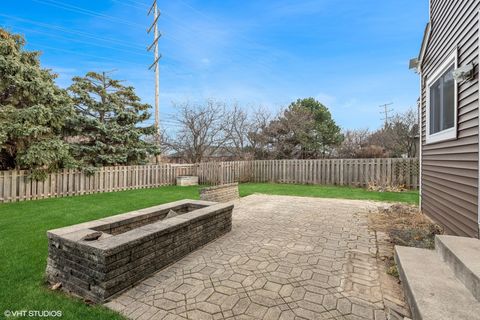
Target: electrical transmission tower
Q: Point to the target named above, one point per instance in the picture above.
(386, 110)
(157, 56)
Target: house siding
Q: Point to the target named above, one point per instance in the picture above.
(450, 168)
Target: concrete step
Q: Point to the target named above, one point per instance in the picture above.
(462, 255)
(432, 289)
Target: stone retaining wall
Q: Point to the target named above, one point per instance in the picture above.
(221, 193)
(131, 247)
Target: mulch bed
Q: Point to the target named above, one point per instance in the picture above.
(406, 226)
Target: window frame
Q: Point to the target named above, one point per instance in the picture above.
(450, 133)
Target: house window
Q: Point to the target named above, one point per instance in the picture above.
(442, 103)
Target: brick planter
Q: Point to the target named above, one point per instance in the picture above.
(131, 246)
(221, 193)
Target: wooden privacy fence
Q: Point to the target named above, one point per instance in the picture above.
(17, 186)
(348, 172)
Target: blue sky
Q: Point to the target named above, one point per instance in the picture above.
(352, 55)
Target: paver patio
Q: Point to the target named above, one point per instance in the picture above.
(286, 258)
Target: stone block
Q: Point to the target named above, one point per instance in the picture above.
(185, 181)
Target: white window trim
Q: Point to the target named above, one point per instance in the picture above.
(451, 133)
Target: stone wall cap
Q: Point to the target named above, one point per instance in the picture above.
(76, 227)
(221, 186)
(80, 234)
(119, 218)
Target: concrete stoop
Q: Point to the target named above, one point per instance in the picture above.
(442, 284)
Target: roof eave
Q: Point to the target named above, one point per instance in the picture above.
(423, 49)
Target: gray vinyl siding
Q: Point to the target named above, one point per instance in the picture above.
(450, 168)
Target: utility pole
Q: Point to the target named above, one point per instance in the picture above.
(386, 110)
(157, 56)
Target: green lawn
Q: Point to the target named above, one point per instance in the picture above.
(328, 192)
(23, 242)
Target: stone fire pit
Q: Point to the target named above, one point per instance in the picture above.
(99, 259)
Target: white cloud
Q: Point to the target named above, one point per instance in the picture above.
(326, 98)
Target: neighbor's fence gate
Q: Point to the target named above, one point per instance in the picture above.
(17, 186)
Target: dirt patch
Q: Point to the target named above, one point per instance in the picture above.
(405, 225)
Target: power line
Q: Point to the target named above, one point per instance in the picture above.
(58, 36)
(139, 4)
(142, 6)
(90, 35)
(386, 110)
(73, 31)
(84, 11)
(207, 17)
(115, 19)
(84, 54)
(240, 53)
(189, 29)
(132, 4)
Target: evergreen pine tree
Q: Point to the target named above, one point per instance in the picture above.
(106, 129)
(33, 111)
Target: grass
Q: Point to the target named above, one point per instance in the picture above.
(410, 197)
(23, 242)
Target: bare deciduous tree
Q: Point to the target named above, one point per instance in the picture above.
(353, 141)
(201, 130)
(213, 129)
(237, 128)
(405, 132)
(244, 129)
(399, 137)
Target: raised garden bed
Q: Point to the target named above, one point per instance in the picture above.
(99, 259)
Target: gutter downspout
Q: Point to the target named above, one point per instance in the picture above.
(420, 132)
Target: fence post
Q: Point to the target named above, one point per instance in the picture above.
(342, 169)
(221, 173)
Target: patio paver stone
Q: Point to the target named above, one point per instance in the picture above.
(285, 258)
